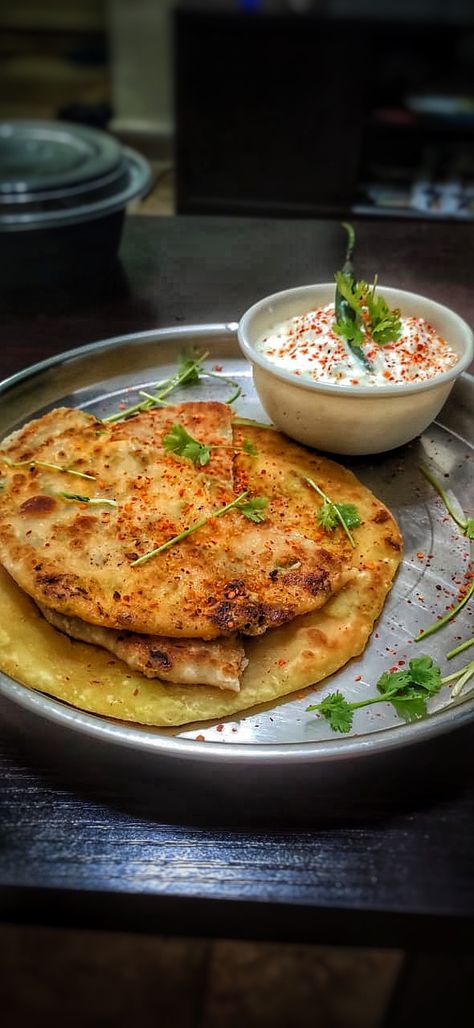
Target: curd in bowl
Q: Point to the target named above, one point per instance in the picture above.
(318, 391)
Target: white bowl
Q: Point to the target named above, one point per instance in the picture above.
(345, 418)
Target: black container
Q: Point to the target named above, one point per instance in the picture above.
(63, 195)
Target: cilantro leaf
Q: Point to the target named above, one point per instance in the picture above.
(393, 681)
(387, 331)
(189, 369)
(355, 298)
(336, 710)
(349, 303)
(249, 448)
(349, 514)
(426, 674)
(349, 331)
(421, 678)
(384, 325)
(331, 514)
(253, 509)
(197, 453)
(355, 293)
(410, 707)
(179, 442)
(407, 691)
(327, 517)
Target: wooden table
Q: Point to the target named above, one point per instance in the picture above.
(83, 847)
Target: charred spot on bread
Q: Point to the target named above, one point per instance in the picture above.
(381, 517)
(38, 505)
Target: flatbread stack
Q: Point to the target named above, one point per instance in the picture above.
(256, 601)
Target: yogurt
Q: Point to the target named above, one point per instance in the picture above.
(307, 346)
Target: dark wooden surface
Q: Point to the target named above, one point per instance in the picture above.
(87, 844)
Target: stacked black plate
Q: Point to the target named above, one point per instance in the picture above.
(63, 194)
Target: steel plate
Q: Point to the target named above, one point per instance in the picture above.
(100, 376)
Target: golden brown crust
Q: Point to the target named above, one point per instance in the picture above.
(216, 662)
(78, 560)
(291, 656)
(285, 466)
(280, 662)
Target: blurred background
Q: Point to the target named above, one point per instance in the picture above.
(281, 107)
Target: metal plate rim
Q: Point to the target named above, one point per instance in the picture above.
(149, 740)
(101, 345)
(144, 740)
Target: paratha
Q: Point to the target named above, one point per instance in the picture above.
(78, 559)
(282, 469)
(296, 654)
(282, 661)
(215, 662)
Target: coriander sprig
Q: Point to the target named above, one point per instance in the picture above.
(447, 617)
(465, 524)
(190, 372)
(353, 292)
(330, 514)
(182, 444)
(360, 314)
(93, 501)
(44, 464)
(249, 448)
(251, 509)
(383, 324)
(366, 315)
(254, 509)
(407, 690)
(222, 378)
(349, 295)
